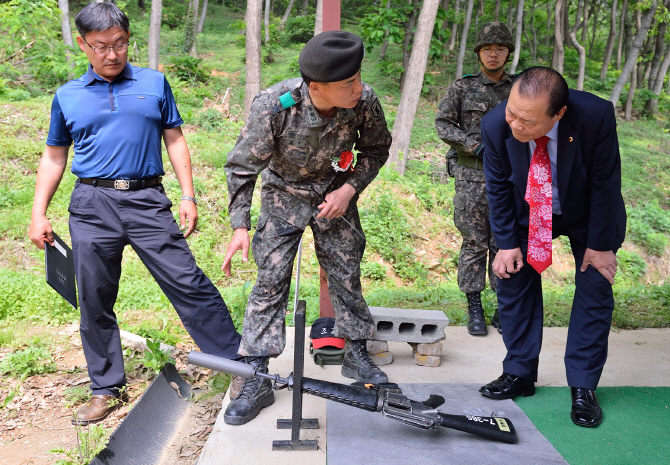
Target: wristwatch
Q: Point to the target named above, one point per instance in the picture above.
(192, 199)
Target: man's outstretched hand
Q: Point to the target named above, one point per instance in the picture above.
(240, 241)
(605, 262)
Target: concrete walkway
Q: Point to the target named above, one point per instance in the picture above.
(636, 358)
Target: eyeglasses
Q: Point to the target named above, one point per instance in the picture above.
(120, 48)
(498, 50)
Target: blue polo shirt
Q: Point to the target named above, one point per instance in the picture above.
(117, 126)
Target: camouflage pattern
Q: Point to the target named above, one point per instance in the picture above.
(458, 124)
(339, 251)
(293, 148)
(298, 147)
(494, 33)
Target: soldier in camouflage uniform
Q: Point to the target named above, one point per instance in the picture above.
(300, 135)
(458, 124)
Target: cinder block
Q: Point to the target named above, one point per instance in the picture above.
(377, 347)
(434, 349)
(383, 358)
(408, 325)
(414, 346)
(427, 360)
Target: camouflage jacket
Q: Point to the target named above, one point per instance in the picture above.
(287, 140)
(460, 113)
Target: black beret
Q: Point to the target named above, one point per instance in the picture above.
(331, 56)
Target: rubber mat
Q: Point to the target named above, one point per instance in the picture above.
(143, 435)
(357, 436)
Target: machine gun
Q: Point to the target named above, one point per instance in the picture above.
(392, 404)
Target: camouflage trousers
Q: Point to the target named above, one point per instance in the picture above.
(471, 217)
(274, 246)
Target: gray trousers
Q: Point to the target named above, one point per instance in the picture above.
(102, 222)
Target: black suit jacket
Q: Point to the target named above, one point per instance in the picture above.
(588, 172)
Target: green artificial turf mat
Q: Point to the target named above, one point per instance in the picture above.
(635, 429)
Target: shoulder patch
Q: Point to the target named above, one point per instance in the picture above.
(468, 75)
(287, 100)
(375, 108)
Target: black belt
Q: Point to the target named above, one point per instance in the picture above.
(123, 184)
(471, 162)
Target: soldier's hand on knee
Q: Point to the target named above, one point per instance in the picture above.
(507, 262)
(240, 241)
(337, 202)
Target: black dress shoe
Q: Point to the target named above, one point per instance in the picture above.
(508, 386)
(585, 408)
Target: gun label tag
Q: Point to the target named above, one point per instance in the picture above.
(502, 424)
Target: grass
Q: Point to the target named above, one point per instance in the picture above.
(410, 261)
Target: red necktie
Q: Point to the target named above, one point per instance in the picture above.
(538, 196)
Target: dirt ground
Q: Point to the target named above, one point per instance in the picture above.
(38, 420)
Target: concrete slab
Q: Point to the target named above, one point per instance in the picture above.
(636, 358)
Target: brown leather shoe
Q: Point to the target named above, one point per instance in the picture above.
(236, 383)
(96, 409)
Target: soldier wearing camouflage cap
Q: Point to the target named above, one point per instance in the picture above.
(300, 134)
(458, 124)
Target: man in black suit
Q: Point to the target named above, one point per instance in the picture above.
(553, 168)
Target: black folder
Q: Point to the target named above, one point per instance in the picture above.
(59, 263)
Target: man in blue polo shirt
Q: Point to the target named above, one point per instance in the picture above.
(116, 115)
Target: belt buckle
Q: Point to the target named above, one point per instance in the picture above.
(121, 184)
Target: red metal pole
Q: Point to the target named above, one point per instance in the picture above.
(330, 22)
(331, 15)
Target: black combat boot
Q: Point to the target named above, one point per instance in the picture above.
(256, 393)
(495, 321)
(476, 322)
(358, 364)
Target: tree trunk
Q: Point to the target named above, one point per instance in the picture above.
(559, 51)
(610, 42)
(305, 7)
(651, 106)
(203, 13)
(66, 30)
(510, 14)
(566, 24)
(496, 11)
(596, 21)
(632, 54)
(253, 45)
(402, 128)
(628, 112)
(580, 48)
(533, 45)
(454, 27)
(622, 28)
(318, 21)
(517, 41)
(189, 27)
(585, 21)
(659, 52)
(409, 36)
(155, 33)
(287, 13)
(464, 39)
(267, 23)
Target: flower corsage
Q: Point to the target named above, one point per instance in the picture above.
(345, 162)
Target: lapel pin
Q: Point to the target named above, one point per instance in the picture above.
(570, 139)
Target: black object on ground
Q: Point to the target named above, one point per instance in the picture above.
(143, 436)
(297, 421)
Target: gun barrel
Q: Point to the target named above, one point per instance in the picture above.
(221, 364)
